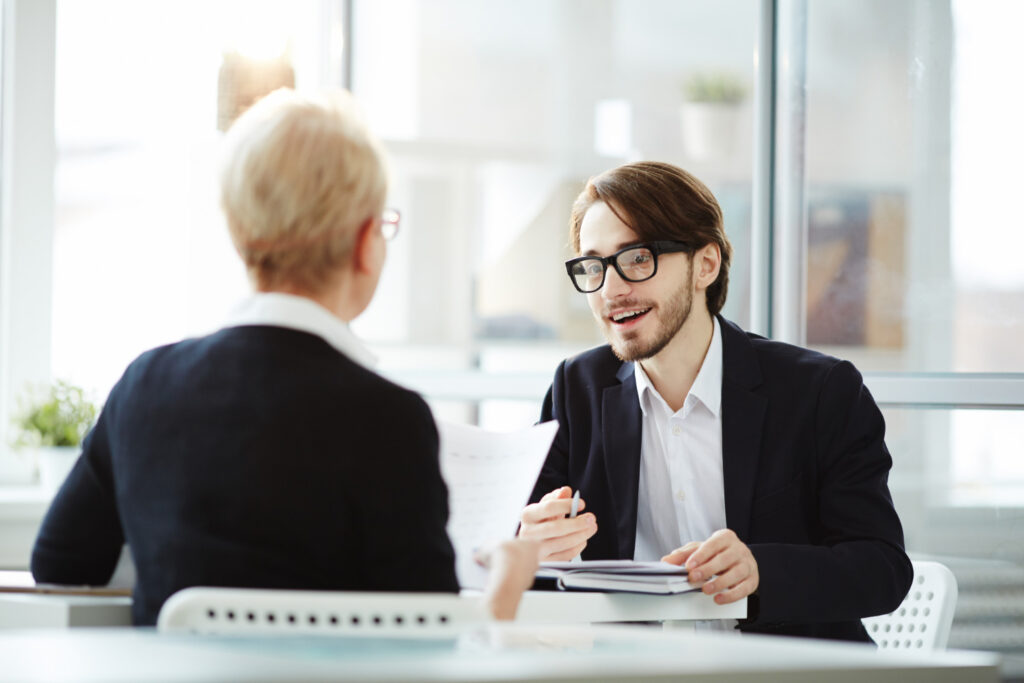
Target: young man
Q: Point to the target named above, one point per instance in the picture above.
(759, 465)
(268, 454)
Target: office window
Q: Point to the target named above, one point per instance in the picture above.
(495, 114)
(913, 223)
(910, 232)
(902, 175)
(141, 256)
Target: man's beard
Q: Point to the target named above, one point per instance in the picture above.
(673, 314)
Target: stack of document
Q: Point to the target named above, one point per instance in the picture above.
(622, 576)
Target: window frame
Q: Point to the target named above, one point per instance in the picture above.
(26, 200)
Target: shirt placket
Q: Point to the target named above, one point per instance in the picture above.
(675, 452)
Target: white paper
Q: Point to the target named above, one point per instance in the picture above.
(490, 476)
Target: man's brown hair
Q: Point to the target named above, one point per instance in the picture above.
(660, 201)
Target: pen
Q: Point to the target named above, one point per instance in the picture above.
(575, 504)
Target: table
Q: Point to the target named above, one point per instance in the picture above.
(544, 607)
(25, 605)
(29, 610)
(496, 652)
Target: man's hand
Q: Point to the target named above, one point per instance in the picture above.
(560, 538)
(724, 557)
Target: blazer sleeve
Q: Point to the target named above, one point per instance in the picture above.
(80, 539)
(402, 508)
(857, 567)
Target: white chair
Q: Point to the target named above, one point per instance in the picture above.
(251, 610)
(923, 619)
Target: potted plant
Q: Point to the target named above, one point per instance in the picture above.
(709, 114)
(53, 422)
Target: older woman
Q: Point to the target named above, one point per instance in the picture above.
(268, 454)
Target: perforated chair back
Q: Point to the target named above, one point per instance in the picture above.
(250, 611)
(923, 620)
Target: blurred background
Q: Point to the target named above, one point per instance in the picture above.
(866, 156)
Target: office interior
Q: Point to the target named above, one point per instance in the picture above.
(865, 154)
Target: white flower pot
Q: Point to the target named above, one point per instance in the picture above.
(54, 464)
(709, 129)
(18, 467)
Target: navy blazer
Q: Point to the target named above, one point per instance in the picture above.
(805, 474)
(255, 457)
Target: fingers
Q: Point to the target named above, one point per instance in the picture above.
(559, 527)
(561, 492)
(718, 564)
(730, 578)
(726, 564)
(741, 590)
(716, 543)
(561, 536)
(564, 543)
(715, 555)
(554, 505)
(680, 555)
(566, 555)
(547, 521)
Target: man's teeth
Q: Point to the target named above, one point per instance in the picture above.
(628, 315)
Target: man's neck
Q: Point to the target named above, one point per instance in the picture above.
(674, 369)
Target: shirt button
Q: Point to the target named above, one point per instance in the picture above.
(677, 430)
(680, 496)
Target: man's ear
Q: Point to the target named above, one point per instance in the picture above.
(707, 262)
(362, 252)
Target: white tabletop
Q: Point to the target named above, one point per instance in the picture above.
(497, 652)
(543, 607)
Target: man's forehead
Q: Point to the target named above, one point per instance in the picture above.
(602, 232)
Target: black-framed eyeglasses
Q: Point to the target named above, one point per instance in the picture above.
(389, 221)
(635, 263)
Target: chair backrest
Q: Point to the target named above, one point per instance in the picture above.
(251, 610)
(923, 619)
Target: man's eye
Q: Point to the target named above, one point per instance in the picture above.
(640, 258)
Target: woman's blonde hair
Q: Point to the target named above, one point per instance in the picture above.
(301, 174)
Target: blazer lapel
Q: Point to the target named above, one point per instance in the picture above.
(743, 413)
(621, 432)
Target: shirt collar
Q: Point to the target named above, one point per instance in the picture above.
(302, 314)
(707, 387)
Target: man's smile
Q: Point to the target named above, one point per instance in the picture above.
(627, 316)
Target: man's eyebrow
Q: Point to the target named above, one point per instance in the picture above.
(622, 245)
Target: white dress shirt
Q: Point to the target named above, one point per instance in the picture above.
(682, 492)
(304, 315)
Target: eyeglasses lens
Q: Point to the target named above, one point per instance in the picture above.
(635, 265)
(588, 274)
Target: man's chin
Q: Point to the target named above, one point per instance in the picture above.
(636, 347)
(629, 350)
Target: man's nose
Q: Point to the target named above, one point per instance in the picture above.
(614, 285)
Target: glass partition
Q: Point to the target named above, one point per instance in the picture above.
(495, 114)
(913, 229)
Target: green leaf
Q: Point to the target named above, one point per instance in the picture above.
(58, 416)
